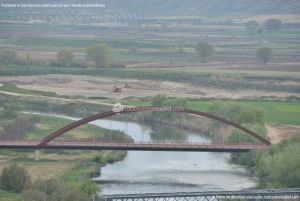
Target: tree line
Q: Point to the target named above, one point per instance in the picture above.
(253, 27)
(101, 55)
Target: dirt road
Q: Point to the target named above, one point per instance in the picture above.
(100, 86)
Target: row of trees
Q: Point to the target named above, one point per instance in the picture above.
(205, 50)
(253, 27)
(16, 179)
(101, 54)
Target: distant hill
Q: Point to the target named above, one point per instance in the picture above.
(191, 7)
(208, 7)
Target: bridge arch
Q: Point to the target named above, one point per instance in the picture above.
(120, 110)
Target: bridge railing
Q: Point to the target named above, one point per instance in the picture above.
(260, 194)
(129, 144)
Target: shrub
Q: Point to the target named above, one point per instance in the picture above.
(14, 178)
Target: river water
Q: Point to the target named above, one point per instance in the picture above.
(150, 172)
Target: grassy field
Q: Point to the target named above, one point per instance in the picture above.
(49, 124)
(277, 112)
(66, 165)
(9, 87)
(50, 42)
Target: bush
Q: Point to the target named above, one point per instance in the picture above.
(14, 178)
(99, 159)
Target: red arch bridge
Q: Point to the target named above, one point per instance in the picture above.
(50, 141)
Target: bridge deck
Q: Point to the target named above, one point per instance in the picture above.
(142, 146)
(260, 194)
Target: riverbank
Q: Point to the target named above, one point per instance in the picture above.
(68, 167)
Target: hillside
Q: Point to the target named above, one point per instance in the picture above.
(190, 7)
(211, 7)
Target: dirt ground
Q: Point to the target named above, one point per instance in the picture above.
(100, 86)
(278, 132)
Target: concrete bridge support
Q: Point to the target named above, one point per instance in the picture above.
(37, 155)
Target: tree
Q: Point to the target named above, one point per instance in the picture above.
(252, 27)
(101, 54)
(7, 56)
(273, 25)
(264, 54)
(204, 50)
(65, 57)
(14, 178)
(158, 100)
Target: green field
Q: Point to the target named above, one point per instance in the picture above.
(275, 111)
(49, 124)
(9, 87)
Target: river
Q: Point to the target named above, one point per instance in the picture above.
(149, 172)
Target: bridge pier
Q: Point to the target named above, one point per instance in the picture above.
(37, 155)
